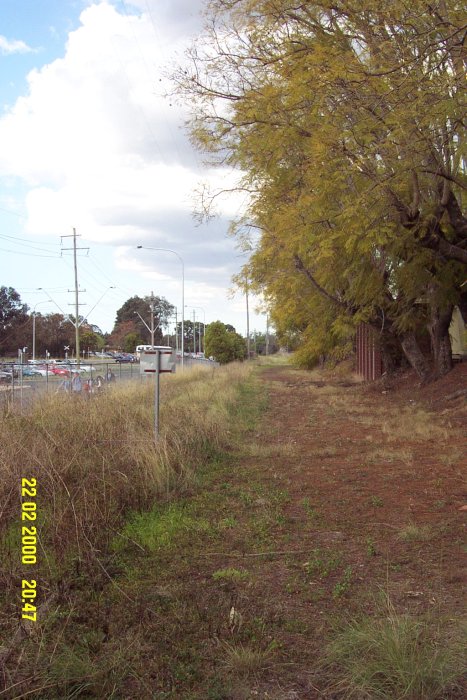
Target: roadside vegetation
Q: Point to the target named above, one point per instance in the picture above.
(353, 166)
(277, 543)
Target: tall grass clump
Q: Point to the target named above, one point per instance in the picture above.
(397, 657)
(95, 458)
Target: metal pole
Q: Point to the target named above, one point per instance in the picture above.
(33, 335)
(156, 398)
(183, 313)
(151, 306)
(194, 332)
(75, 265)
(20, 353)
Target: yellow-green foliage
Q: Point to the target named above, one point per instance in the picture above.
(95, 458)
(346, 121)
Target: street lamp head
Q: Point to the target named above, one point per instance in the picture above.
(139, 246)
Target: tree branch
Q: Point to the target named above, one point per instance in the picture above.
(305, 271)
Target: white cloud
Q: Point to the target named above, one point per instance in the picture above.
(10, 46)
(94, 135)
(101, 149)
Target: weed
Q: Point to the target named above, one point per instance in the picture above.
(246, 498)
(96, 460)
(228, 523)
(395, 657)
(343, 585)
(230, 574)
(370, 547)
(452, 457)
(310, 509)
(163, 525)
(245, 661)
(413, 424)
(415, 533)
(439, 504)
(322, 563)
(389, 455)
(376, 501)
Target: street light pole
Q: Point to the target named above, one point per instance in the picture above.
(97, 302)
(169, 250)
(199, 323)
(151, 306)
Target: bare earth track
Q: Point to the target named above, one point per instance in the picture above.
(372, 484)
(335, 496)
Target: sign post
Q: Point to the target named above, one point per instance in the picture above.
(156, 395)
(158, 360)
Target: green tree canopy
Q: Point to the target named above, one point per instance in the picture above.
(224, 345)
(137, 308)
(13, 314)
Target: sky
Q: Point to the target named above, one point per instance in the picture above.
(89, 140)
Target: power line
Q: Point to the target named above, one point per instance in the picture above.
(28, 240)
(13, 213)
(30, 255)
(24, 245)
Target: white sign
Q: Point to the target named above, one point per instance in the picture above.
(148, 360)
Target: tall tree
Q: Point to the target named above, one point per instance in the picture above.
(125, 336)
(13, 315)
(347, 120)
(137, 308)
(224, 345)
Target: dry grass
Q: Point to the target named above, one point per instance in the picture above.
(389, 455)
(398, 657)
(414, 424)
(416, 533)
(258, 450)
(244, 660)
(96, 458)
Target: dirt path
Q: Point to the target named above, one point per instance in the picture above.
(357, 493)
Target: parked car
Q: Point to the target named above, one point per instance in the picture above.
(5, 377)
(61, 371)
(9, 369)
(73, 367)
(42, 370)
(31, 372)
(124, 358)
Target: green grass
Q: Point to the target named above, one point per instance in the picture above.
(164, 526)
(111, 500)
(230, 574)
(397, 657)
(322, 563)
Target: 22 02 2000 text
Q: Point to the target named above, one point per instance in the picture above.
(28, 547)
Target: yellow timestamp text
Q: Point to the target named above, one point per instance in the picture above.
(28, 546)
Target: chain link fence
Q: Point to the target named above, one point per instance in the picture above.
(21, 385)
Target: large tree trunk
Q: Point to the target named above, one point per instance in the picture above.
(391, 353)
(441, 341)
(415, 356)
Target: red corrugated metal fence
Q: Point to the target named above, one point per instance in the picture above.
(369, 362)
